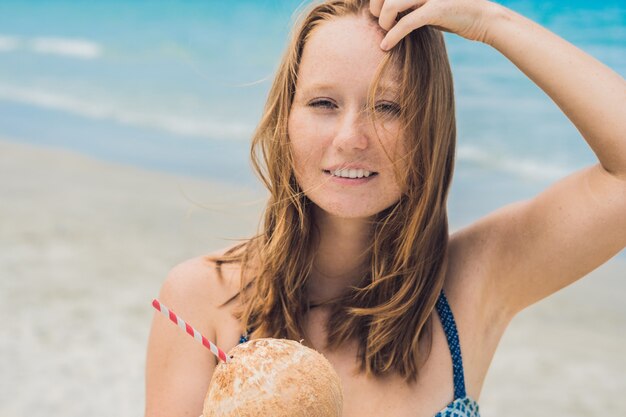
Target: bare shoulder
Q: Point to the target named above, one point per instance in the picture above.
(178, 369)
(198, 290)
(472, 265)
(480, 320)
(197, 281)
(467, 277)
(469, 250)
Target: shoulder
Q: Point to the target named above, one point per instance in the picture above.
(192, 289)
(473, 265)
(467, 275)
(480, 317)
(196, 288)
(469, 251)
(200, 287)
(205, 293)
(198, 282)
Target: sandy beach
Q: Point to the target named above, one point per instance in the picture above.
(85, 245)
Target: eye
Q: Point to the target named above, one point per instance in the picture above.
(389, 108)
(322, 104)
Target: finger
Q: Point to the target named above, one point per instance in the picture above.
(414, 20)
(375, 6)
(391, 9)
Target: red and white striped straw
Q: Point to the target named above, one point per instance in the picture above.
(190, 330)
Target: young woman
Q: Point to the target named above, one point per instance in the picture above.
(356, 146)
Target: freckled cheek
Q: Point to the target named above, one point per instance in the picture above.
(308, 141)
(310, 129)
(396, 144)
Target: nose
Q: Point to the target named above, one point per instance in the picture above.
(351, 131)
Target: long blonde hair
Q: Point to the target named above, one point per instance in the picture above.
(389, 311)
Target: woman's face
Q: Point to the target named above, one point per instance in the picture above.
(329, 124)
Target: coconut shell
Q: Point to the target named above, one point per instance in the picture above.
(277, 378)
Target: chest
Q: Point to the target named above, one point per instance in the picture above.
(366, 396)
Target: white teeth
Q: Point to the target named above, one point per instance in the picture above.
(351, 173)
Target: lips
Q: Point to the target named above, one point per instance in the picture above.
(348, 166)
(362, 173)
(346, 181)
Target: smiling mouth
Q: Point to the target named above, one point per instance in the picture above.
(372, 174)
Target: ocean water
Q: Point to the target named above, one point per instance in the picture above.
(179, 86)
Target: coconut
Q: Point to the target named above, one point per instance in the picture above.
(274, 377)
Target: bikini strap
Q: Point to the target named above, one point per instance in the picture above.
(449, 326)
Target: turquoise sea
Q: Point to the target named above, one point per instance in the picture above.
(178, 86)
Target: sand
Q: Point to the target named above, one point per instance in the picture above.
(85, 245)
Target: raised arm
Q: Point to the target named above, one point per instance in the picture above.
(590, 94)
(548, 242)
(536, 247)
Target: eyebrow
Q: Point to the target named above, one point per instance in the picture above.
(315, 87)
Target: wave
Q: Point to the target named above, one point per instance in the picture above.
(77, 48)
(525, 168)
(179, 125)
(69, 47)
(9, 43)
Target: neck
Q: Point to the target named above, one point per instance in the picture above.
(340, 260)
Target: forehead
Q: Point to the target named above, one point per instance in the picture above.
(344, 52)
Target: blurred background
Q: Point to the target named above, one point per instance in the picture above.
(124, 149)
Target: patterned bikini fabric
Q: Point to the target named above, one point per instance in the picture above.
(463, 405)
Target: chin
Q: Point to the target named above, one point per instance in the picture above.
(346, 210)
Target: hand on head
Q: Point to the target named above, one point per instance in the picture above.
(466, 18)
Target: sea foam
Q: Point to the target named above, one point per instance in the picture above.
(68, 47)
(9, 43)
(116, 111)
(525, 168)
(76, 48)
